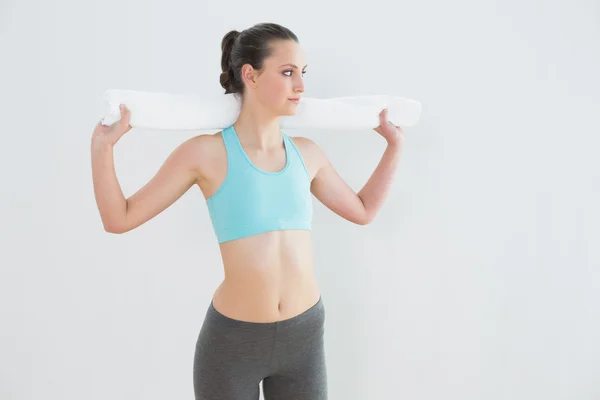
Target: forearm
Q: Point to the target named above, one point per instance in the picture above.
(376, 190)
(110, 200)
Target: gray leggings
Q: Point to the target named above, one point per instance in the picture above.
(232, 357)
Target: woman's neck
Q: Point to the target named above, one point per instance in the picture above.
(258, 127)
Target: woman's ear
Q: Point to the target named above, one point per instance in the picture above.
(249, 75)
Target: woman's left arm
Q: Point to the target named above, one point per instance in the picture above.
(362, 207)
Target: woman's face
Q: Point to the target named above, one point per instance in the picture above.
(280, 85)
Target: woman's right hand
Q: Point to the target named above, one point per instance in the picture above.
(110, 135)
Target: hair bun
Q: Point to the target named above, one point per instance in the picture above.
(225, 80)
(228, 40)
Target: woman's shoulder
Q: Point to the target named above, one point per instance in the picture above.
(204, 144)
(303, 143)
(312, 155)
(307, 146)
(204, 151)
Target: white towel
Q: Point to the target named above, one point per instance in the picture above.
(155, 110)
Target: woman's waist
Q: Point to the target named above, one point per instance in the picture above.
(261, 298)
(267, 272)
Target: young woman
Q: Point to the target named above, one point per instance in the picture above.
(266, 319)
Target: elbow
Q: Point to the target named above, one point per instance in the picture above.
(364, 216)
(365, 219)
(116, 224)
(113, 228)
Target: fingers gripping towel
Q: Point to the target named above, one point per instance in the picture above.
(155, 110)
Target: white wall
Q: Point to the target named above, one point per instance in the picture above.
(478, 280)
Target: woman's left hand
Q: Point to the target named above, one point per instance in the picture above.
(390, 132)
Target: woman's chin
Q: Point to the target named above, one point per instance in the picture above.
(291, 109)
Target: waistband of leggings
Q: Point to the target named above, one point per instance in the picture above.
(311, 313)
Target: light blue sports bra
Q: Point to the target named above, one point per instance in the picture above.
(252, 201)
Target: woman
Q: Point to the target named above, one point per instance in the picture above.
(266, 319)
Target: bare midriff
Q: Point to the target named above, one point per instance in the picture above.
(268, 277)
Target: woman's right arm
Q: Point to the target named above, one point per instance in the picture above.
(119, 214)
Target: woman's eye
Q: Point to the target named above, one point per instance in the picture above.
(290, 71)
